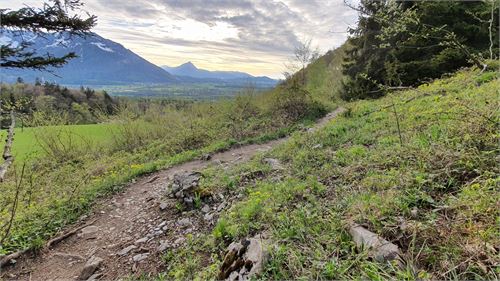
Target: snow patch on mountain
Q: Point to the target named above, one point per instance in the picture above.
(102, 47)
(5, 40)
(58, 43)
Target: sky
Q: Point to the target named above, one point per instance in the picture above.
(254, 36)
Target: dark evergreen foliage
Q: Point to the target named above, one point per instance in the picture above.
(58, 16)
(364, 59)
(405, 43)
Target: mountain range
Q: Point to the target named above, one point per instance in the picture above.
(102, 61)
(188, 72)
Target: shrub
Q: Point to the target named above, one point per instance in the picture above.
(292, 102)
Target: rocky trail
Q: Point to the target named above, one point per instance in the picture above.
(127, 233)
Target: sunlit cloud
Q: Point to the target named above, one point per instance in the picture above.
(256, 36)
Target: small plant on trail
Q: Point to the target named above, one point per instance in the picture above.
(179, 206)
(197, 200)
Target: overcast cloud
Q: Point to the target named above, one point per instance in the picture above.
(256, 36)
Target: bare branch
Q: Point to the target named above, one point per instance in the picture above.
(303, 55)
(490, 28)
(351, 6)
(67, 234)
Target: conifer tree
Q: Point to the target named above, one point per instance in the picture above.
(55, 16)
(405, 43)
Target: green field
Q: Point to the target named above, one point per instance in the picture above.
(29, 142)
(192, 91)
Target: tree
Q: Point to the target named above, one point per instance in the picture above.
(430, 38)
(292, 100)
(58, 16)
(303, 55)
(364, 60)
(404, 43)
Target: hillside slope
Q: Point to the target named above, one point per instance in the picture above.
(418, 168)
(324, 76)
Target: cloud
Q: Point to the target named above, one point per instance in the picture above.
(222, 34)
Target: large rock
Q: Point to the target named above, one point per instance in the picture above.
(244, 259)
(378, 248)
(184, 187)
(90, 267)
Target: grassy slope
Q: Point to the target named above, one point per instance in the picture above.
(324, 76)
(435, 195)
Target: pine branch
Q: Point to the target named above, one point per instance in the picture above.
(50, 18)
(18, 58)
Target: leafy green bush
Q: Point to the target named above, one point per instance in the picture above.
(292, 102)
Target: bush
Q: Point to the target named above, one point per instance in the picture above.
(292, 102)
(243, 116)
(60, 143)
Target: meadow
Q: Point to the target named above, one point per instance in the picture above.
(28, 144)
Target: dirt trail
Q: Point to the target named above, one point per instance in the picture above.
(131, 229)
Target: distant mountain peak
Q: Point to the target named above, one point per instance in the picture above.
(188, 65)
(104, 62)
(188, 69)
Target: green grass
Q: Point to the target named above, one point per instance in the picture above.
(26, 142)
(435, 195)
